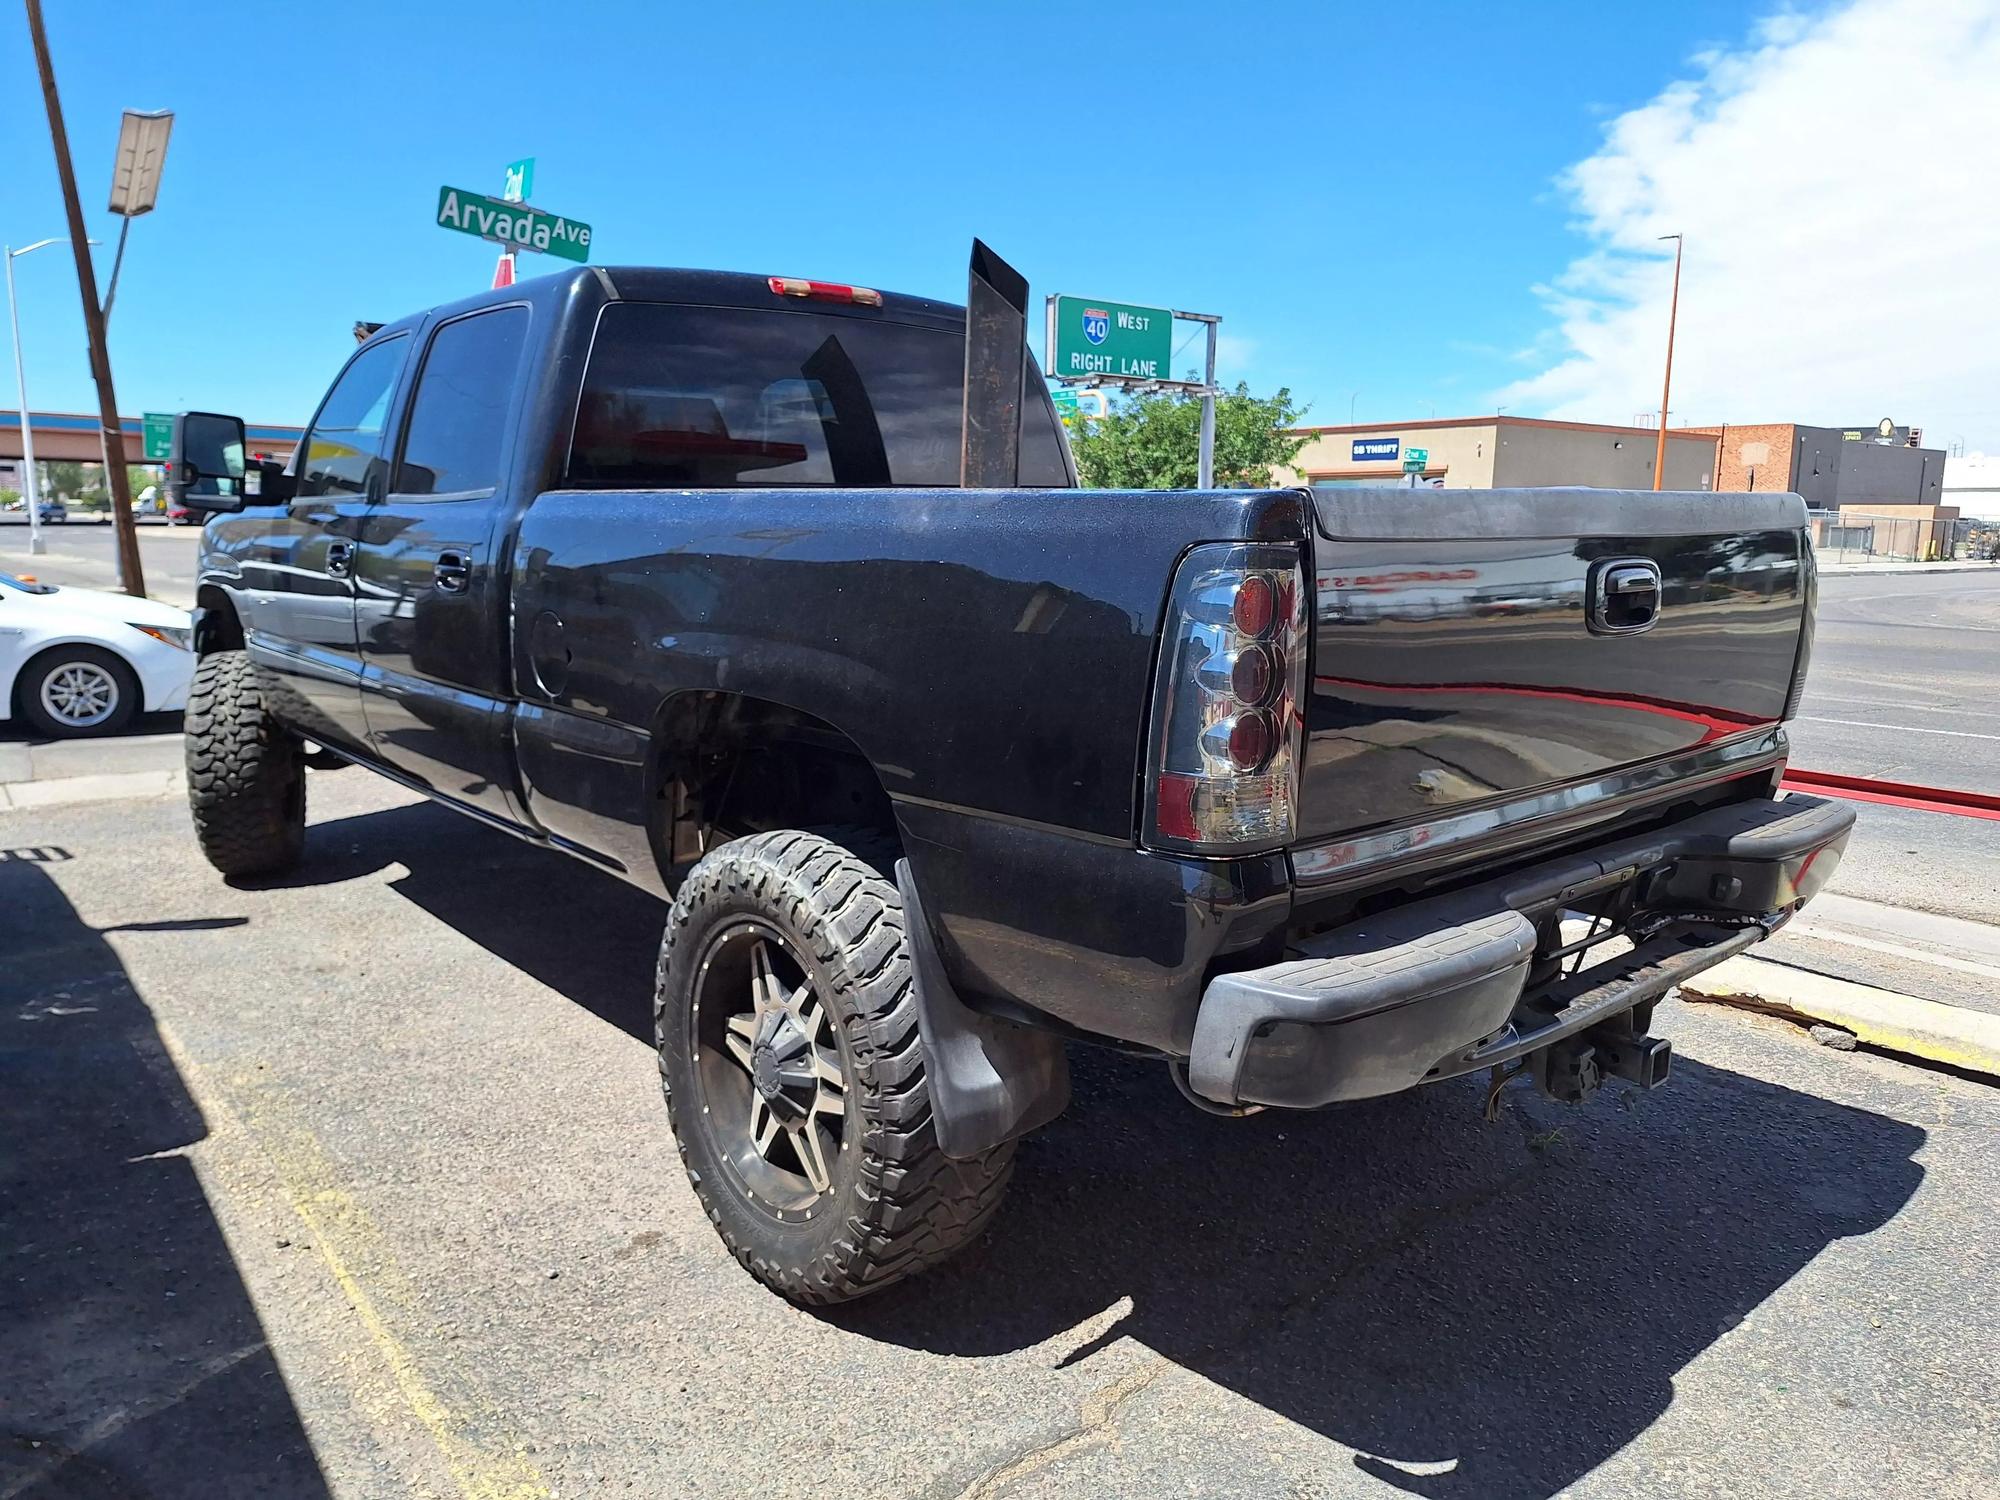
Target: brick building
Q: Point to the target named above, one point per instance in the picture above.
(1834, 468)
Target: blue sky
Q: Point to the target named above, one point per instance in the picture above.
(1368, 195)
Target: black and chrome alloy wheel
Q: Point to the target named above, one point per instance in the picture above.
(771, 1079)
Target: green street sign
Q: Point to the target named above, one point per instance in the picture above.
(1067, 404)
(1111, 339)
(512, 224)
(1416, 460)
(520, 180)
(159, 429)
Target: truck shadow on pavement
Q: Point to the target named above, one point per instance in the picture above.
(132, 1361)
(1484, 1312)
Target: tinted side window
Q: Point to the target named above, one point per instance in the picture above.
(346, 438)
(458, 418)
(716, 397)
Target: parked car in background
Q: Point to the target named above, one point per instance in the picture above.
(50, 512)
(84, 662)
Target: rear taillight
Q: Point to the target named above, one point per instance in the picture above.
(1222, 762)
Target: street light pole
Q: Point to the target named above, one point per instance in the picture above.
(30, 481)
(110, 429)
(1667, 385)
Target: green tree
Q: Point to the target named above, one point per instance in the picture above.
(1154, 442)
(63, 477)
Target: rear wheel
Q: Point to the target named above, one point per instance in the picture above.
(245, 771)
(786, 1017)
(78, 690)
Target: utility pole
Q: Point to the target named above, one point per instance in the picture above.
(93, 319)
(1667, 385)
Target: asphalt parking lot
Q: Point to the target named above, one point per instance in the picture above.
(359, 1184)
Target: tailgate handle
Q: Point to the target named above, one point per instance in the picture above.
(1624, 596)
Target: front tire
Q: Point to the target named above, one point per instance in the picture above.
(245, 771)
(786, 1016)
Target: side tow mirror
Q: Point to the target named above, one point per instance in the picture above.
(206, 465)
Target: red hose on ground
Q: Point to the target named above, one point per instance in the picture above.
(1894, 793)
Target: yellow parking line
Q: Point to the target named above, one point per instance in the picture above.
(485, 1458)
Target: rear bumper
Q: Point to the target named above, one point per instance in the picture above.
(1452, 984)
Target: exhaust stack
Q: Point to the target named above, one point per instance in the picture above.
(996, 341)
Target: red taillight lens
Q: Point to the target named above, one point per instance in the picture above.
(1226, 721)
(1254, 603)
(1251, 739)
(1174, 800)
(825, 291)
(1251, 675)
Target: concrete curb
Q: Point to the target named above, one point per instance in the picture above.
(1890, 570)
(1903, 1024)
(20, 796)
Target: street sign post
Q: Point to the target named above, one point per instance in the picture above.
(520, 180)
(512, 224)
(1100, 339)
(158, 427)
(1416, 460)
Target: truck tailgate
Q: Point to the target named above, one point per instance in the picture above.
(1457, 660)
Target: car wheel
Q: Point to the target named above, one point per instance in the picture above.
(74, 691)
(786, 1016)
(246, 772)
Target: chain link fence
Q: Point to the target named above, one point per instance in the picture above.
(1851, 538)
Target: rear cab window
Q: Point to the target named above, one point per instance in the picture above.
(681, 397)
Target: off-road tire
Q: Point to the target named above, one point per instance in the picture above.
(246, 775)
(898, 1204)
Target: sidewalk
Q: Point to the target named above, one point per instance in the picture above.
(57, 772)
(1886, 568)
(1933, 990)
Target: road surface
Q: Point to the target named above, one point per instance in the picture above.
(361, 1185)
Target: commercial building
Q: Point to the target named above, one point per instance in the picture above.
(1868, 467)
(1503, 452)
(1972, 483)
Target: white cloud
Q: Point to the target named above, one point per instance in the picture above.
(1838, 181)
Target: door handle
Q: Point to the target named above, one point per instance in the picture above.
(452, 573)
(339, 559)
(1625, 596)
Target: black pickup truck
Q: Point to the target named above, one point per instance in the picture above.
(777, 598)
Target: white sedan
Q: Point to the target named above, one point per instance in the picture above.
(82, 661)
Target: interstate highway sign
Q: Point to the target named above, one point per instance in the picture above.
(1113, 340)
(159, 434)
(513, 224)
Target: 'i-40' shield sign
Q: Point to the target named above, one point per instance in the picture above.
(1096, 324)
